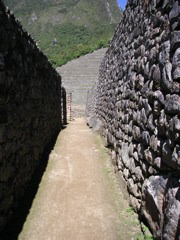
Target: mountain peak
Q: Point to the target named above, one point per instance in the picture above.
(79, 26)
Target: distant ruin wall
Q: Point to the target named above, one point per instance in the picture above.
(136, 108)
(30, 110)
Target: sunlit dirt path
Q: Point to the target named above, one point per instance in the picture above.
(77, 200)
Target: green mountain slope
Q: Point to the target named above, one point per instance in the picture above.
(66, 29)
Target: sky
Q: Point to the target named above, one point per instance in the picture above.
(122, 3)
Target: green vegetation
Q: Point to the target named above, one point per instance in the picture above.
(67, 29)
(143, 237)
(130, 210)
(72, 42)
(145, 234)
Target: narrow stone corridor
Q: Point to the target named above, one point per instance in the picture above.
(78, 197)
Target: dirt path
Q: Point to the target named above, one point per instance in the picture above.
(77, 198)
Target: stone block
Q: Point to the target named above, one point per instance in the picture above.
(157, 108)
(174, 13)
(164, 55)
(150, 123)
(176, 74)
(140, 149)
(2, 62)
(162, 124)
(139, 82)
(153, 201)
(131, 148)
(171, 214)
(156, 76)
(172, 105)
(174, 128)
(167, 159)
(138, 174)
(149, 156)
(120, 164)
(176, 157)
(143, 118)
(133, 188)
(136, 133)
(2, 133)
(145, 91)
(135, 203)
(155, 144)
(124, 154)
(167, 77)
(145, 138)
(2, 78)
(132, 165)
(6, 203)
(136, 157)
(176, 58)
(175, 40)
(6, 172)
(126, 174)
(159, 97)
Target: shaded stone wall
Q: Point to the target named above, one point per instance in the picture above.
(30, 110)
(136, 108)
(63, 106)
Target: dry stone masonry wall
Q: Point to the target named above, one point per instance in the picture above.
(63, 106)
(135, 104)
(30, 110)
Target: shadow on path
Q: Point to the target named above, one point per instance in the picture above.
(14, 227)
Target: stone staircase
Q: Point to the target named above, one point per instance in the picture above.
(78, 76)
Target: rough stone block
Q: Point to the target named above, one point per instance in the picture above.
(138, 174)
(171, 215)
(136, 133)
(176, 74)
(140, 149)
(126, 174)
(167, 77)
(2, 62)
(6, 171)
(176, 157)
(125, 155)
(174, 128)
(175, 40)
(159, 97)
(174, 13)
(146, 137)
(164, 55)
(133, 188)
(176, 58)
(172, 105)
(2, 78)
(155, 144)
(153, 200)
(135, 203)
(156, 76)
(167, 152)
(2, 134)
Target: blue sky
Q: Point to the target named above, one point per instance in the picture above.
(122, 3)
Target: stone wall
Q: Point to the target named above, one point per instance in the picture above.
(78, 77)
(30, 110)
(136, 107)
(63, 106)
